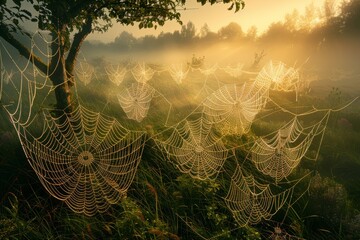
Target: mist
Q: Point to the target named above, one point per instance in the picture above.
(328, 51)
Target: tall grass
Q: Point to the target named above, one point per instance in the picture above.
(162, 203)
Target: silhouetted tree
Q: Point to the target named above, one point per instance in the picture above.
(204, 31)
(149, 41)
(231, 32)
(308, 19)
(125, 41)
(252, 33)
(188, 31)
(292, 21)
(350, 17)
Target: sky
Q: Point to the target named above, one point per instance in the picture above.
(259, 13)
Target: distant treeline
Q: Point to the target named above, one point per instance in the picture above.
(314, 26)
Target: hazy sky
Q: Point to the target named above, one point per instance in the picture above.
(259, 13)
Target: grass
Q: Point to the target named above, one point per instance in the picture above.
(162, 203)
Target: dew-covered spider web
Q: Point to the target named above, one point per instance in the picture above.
(233, 107)
(82, 157)
(178, 72)
(85, 72)
(236, 71)
(142, 72)
(278, 154)
(251, 201)
(275, 72)
(116, 73)
(196, 149)
(135, 100)
(89, 159)
(210, 71)
(281, 77)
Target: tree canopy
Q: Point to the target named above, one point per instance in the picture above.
(70, 21)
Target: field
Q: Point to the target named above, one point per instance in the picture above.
(170, 200)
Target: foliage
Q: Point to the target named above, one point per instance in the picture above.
(330, 211)
(50, 14)
(164, 204)
(64, 19)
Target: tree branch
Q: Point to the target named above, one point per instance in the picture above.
(78, 7)
(24, 51)
(75, 46)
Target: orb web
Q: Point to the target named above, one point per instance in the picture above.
(274, 72)
(251, 201)
(142, 73)
(178, 73)
(236, 71)
(85, 72)
(26, 82)
(289, 81)
(84, 158)
(135, 100)
(279, 155)
(277, 76)
(209, 71)
(116, 73)
(234, 107)
(88, 161)
(196, 150)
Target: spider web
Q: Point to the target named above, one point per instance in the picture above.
(209, 71)
(85, 72)
(195, 149)
(290, 82)
(142, 73)
(116, 73)
(277, 76)
(178, 73)
(88, 160)
(251, 201)
(135, 100)
(23, 87)
(279, 155)
(235, 107)
(274, 72)
(236, 71)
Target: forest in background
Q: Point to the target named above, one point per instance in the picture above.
(317, 34)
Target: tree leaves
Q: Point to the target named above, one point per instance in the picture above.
(51, 14)
(17, 2)
(15, 21)
(11, 14)
(239, 4)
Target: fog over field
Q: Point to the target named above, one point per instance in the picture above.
(328, 50)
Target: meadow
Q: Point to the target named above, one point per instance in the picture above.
(164, 203)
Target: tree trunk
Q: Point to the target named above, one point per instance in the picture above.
(59, 76)
(62, 89)
(60, 69)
